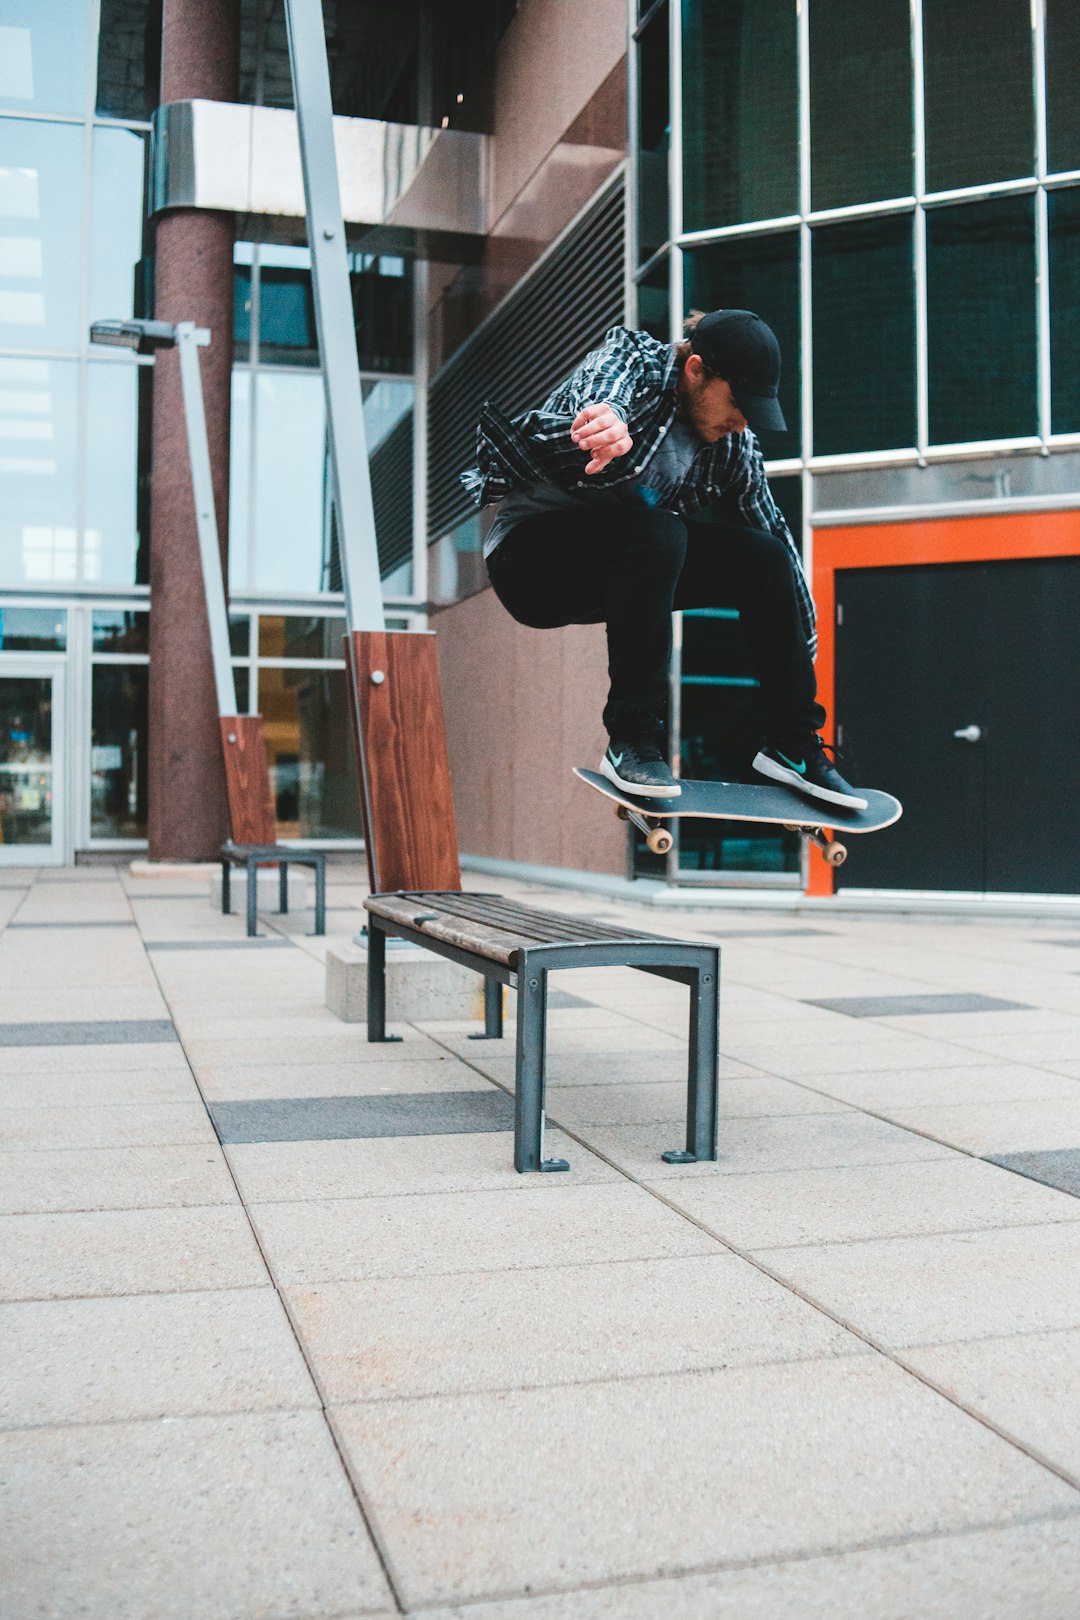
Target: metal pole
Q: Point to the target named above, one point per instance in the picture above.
(346, 438)
(189, 340)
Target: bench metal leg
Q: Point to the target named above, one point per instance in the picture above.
(529, 1075)
(493, 1012)
(283, 887)
(376, 985)
(702, 1076)
(320, 897)
(226, 888)
(252, 899)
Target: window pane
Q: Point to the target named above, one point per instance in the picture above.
(239, 635)
(118, 751)
(33, 629)
(980, 261)
(864, 336)
(1062, 101)
(117, 630)
(654, 135)
(979, 119)
(308, 734)
(860, 101)
(38, 542)
(300, 636)
(654, 302)
(40, 220)
(240, 481)
(1064, 209)
(382, 290)
(116, 223)
(129, 58)
(388, 420)
(43, 55)
(26, 759)
(759, 273)
(740, 124)
(286, 308)
(115, 543)
(289, 483)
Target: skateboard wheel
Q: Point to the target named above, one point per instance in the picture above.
(659, 841)
(791, 826)
(835, 854)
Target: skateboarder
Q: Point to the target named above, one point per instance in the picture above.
(594, 491)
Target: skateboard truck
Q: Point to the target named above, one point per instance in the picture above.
(835, 853)
(657, 837)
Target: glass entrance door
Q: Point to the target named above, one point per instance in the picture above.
(31, 754)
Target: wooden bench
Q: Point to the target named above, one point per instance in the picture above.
(251, 816)
(518, 945)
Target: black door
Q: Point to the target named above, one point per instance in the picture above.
(958, 689)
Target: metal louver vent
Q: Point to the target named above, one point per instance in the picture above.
(391, 493)
(535, 337)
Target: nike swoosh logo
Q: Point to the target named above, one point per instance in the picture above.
(801, 767)
(616, 759)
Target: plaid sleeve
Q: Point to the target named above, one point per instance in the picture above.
(747, 490)
(609, 375)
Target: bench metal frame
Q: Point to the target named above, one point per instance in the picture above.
(695, 965)
(255, 855)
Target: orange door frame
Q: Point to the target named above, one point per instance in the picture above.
(1001, 538)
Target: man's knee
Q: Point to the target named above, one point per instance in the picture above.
(658, 535)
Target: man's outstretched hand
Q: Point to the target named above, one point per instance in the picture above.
(602, 432)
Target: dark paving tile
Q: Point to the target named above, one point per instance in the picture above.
(72, 924)
(264, 943)
(1058, 1167)
(335, 1119)
(1074, 944)
(898, 1006)
(103, 1032)
(563, 998)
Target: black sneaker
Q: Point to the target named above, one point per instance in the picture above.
(809, 769)
(639, 768)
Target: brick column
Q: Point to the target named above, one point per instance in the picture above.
(188, 813)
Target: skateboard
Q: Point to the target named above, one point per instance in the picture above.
(747, 801)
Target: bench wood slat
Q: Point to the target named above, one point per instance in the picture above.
(550, 927)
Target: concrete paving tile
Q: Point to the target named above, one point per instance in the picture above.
(27, 1060)
(1009, 1127)
(345, 1044)
(1023, 1020)
(483, 1110)
(111, 1126)
(1055, 1168)
(188, 1517)
(931, 1006)
(1029, 1386)
(959, 1285)
(1034, 1047)
(1069, 1067)
(965, 1576)
(88, 1032)
(742, 1464)
(149, 1356)
(859, 1202)
(96, 1090)
(113, 1178)
(604, 1069)
(889, 1049)
(966, 1084)
(740, 1097)
(437, 1072)
(500, 1330)
(288, 1172)
(66, 1001)
(431, 1234)
(130, 1251)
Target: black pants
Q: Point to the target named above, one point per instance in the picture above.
(628, 567)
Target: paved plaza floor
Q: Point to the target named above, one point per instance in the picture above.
(284, 1335)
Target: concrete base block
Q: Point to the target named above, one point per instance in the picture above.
(418, 986)
(301, 889)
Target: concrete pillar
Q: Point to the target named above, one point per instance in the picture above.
(188, 817)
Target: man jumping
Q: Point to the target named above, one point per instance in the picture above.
(593, 494)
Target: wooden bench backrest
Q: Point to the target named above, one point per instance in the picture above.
(406, 797)
(247, 779)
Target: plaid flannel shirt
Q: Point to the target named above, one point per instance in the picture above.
(637, 376)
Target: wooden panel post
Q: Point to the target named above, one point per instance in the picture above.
(247, 778)
(406, 797)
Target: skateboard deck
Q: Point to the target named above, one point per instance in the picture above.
(749, 801)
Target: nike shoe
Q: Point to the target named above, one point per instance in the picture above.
(639, 768)
(810, 770)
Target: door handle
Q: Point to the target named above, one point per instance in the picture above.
(968, 734)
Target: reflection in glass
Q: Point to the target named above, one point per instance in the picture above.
(860, 102)
(240, 481)
(864, 336)
(274, 307)
(1064, 212)
(116, 224)
(113, 550)
(980, 267)
(301, 636)
(309, 744)
(26, 763)
(118, 750)
(388, 420)
(120, 630)
(654, 302)
(740, 128)
(759, 273)
(382, 291)
(33, 629)
(1062, 101)
(129, 58)
(980, 123)
(38, 541)
(40, 220)
(286, 304)
(239, 634)
(654, 135)
(289, 483)
(43, 55)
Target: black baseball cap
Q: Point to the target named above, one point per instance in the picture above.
(738, 346)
